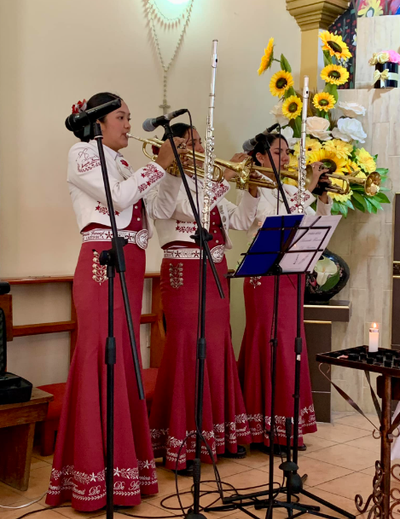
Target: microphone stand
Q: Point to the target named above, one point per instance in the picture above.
(115, 260)
(202, 237)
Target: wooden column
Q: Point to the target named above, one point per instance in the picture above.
(312, 16)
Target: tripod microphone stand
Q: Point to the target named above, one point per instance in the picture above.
(202, 237)
(115, 261)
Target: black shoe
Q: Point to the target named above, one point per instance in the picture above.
(188, 471)
(279, 450)
(302, 448)
(239, 454)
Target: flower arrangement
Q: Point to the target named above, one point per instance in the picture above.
(386, 73)
(336, 143)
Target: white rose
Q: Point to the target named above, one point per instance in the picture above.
(318, 128)
(277, 112)
(351, 109)
(288, 134)
(349, 130)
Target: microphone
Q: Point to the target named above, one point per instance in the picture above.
(78, 121)
(150, 125)
(250, 144)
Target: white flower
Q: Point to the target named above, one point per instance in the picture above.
(318, 128)
(277, 112)
(325, 269)
(349, 130)
(288, 134)
(351, 109)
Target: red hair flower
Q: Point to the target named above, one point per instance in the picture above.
(78, 107)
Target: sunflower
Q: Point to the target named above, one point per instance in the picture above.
(352, 168)
(341, 148)
(266, 60)
(311, 145)
(324, 101)
(336, 196)
(334, 163)
(280, 82)
(334, 74)
(370, 8)
(335, 45)
(365, 160)
(291, 107)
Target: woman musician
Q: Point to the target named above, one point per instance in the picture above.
(255, 356)
(172, 414)
(78, 473)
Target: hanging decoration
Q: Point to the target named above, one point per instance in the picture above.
(160, 18)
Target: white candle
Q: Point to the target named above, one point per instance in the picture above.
(373, 338)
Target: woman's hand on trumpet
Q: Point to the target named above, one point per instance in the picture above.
(229, 174)
(166, 155)
(319, 181)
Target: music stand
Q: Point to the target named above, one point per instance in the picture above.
(288, 244)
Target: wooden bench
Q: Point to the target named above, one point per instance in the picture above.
(49, 425)
(17, 428)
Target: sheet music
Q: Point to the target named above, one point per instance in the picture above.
(310, 240)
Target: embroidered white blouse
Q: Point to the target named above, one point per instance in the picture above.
(181, 226)
(268, 205)
(127, 187)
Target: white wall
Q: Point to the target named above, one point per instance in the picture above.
(54, 53)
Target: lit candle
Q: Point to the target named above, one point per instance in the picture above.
(373, 338)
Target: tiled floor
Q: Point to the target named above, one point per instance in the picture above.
(339, 462)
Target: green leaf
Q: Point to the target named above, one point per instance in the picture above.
(375, 203)
(331, 282)
(327, 58)
(335, 207)
(349, 204)
(370, 207)
(360, 199)
(382, 198)
(289, 92)
(359, 206)
(332, 89)
(297, 127)
(285, 64)
(382, 171)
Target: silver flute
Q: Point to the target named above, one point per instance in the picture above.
(302, 154)
(209, 144)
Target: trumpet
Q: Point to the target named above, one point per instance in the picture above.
(247, 168)
(371, 183)
(243, 169)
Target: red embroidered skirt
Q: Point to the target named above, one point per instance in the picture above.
(255, 360)
(173, 408)
(78, 473)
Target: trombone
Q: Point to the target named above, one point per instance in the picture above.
(247, 167)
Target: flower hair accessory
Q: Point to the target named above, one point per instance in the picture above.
(78, 107)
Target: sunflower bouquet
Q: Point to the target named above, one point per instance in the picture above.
(336, 143)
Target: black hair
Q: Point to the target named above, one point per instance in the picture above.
(179, 130)
(96, 100)
(264, 141)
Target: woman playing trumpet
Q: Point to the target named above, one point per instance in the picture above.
(78, 473)
(255, 356)
(173, 409)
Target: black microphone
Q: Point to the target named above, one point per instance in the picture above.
(150, 125)
(75, 122)
(250, 144)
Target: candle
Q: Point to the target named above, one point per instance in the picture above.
(373, 338)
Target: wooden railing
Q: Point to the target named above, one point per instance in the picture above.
(155, 318)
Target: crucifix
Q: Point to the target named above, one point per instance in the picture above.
(155, 14)
(165, 106)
